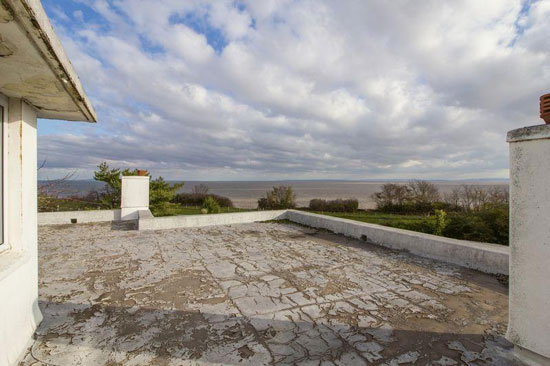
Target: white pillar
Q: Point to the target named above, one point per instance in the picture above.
(135, 196)
(529, 323)
(20, 314)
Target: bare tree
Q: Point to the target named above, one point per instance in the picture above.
(422, 191)
(402, 194)
(52, 192)
(474, 197)
(281, 197)
(201, 189)
(453, 197)
(498, 195)
(391, 194)
(42, 165)
(467, 197)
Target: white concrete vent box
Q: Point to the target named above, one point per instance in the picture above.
(135, 196)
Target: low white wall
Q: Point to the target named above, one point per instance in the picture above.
(64, 217)
(485, 257)
(172, 222)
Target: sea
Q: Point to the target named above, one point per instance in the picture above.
(245, 194)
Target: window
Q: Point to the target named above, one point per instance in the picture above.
(3, 110)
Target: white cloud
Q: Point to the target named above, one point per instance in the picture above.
(298, 89)
(235, 23)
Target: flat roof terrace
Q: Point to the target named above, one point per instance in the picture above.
(257, 294)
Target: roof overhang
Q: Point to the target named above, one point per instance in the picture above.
(34, 66)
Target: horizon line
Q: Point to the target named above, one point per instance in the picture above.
(317, 180)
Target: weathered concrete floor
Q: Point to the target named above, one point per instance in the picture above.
(257, 294)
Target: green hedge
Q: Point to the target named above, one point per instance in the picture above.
(197, 199)
(337, 205)
(490, 225)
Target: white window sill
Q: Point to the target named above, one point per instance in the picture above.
(11, 260)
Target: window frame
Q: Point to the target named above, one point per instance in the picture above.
(4, 102)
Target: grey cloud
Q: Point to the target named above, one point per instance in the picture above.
(315, 89)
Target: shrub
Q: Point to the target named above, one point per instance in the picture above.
(423, 226)
(447, 207)
(161, 193)
(440, 222)
(197, 199)
(409, 208)
(318, 204)
(262, 204)
(211, 205)
(468, 227)
(279, 198)
(338, 205)
(110, 196)
(489, 225)
(497, 218)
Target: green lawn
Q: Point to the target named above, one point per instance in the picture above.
(420, 223)
(174, 210)
(48, 204)
(52, 204)
(489, 226)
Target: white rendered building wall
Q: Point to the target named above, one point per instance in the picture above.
(20, 313)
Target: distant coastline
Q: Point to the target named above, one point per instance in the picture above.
(245, 194)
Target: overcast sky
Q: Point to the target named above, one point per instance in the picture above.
(267, 89)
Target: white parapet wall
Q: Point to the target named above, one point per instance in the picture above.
(148, 222)
(81, 217)
(529, 324)
(485, 257)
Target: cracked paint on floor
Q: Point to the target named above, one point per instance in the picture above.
(257, 294)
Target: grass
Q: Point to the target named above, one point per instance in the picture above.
(419, 223)
(52, 204)
(373, 217)
(175, 209)
(489, 226)
(410, 222)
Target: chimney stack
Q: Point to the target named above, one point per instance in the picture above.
(135, 195)
(545, 108)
